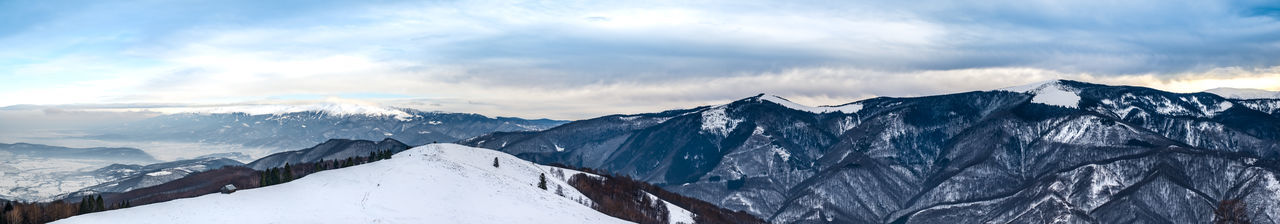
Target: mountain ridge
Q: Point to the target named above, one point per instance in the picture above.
(909, 157)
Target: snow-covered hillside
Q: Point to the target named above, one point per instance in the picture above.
(437, 183)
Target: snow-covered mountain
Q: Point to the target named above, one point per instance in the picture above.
(1244, 94)
(329, 108)
(437, 183)
(295, 127)
(1047, 152)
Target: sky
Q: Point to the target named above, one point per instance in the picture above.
(581, 59)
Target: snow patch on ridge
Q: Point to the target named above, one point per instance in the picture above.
(1268, 106)
(1057, 95)
(716, 121)
(1049, 93)
(847, 108)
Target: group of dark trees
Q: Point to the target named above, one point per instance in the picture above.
(624, 197)
(34, 213)
(1231, 211)
(91, 204)
(275, 176)
(290, 172)
(94, 203)
(625, 202)
(352, 161)
(380, 155)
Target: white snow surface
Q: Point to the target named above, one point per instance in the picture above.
(1244, 94)
(437, 183)
(847, 108)
(1049, 93)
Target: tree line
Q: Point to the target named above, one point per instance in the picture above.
(290, 172)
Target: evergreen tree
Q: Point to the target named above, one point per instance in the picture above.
(98, 205)
(542, 181)
(288, 173)
(273, 176)
(83, 203)
(495, 161)
(262, 178)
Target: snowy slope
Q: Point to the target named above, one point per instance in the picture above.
(437, 183)
(676, 214)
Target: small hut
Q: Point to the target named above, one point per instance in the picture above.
(230, 188)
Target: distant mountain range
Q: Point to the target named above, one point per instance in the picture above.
(1244, 94)
(26, 150)
(1058, 151)
(299, 127)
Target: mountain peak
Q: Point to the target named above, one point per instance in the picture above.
(1058, 92)
(1029, 87)
(845, 108)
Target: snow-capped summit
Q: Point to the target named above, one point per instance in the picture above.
(330, 107)
(1053, 92)
(846, 108)
(1244, 94)
(437, 183)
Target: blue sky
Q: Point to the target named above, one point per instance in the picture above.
(577, 59)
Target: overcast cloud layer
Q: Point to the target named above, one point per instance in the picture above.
(579, 59)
